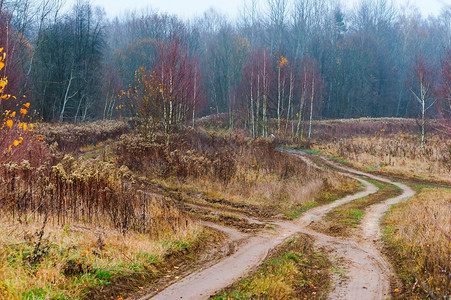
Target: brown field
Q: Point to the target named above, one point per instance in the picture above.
(228, 166)
(417, 236)
(393, 153)
(93, 208)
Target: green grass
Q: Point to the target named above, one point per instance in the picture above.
(299, 210)
(315, 152)
(293, 271)
(71, 265)
(340, 160)
(339, 220)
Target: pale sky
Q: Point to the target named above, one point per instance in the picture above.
(190, 8)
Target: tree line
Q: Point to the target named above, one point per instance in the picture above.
(279, 65)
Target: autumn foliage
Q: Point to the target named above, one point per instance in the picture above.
(162, 97)
(14, 124)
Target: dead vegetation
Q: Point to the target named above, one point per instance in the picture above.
(230, 170)
(91, 192)
(70, 225)
(395, 154)
(417, 236)
(71, 137)
(73, 224)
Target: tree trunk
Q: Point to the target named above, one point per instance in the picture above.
(422, 127)
(252, 106)
(278, 99)
(301, 106)
(258, 107)
(290, 97)
(66, 97)
(311, 108)
(265, 98)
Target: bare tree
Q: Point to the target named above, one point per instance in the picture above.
(422, 95)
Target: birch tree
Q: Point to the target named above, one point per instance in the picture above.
(422, 93)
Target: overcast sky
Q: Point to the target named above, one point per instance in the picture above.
(190, 8)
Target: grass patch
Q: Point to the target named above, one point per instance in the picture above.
(418, 247)
(303, 208)
(329, 194)
(315, 152)
(338, 159)
(292, 271)
(339, 220)
(71, 262)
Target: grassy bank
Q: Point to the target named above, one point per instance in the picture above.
(54, 262)
(417, 234)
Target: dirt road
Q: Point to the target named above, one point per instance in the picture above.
(368, 274)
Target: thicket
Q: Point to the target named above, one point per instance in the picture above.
(198, 153)
(70, 137)
(88, 192)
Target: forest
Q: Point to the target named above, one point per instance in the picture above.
(288, 60)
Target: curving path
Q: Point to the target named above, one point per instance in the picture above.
(368, 273)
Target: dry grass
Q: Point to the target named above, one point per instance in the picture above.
(70, 137)
(231, 167)
(73, 259)
(395, 154)
(70, 225)
(415, 232)
(90, 192)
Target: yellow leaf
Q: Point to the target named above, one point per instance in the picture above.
(24, 127)
(13, 114)
(10, 123)
(27, 105)
(23, 111)
(16, 143)
(2, 64)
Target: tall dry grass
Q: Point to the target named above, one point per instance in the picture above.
(68, 225)
(398, 154)
(418, 232)
(90, 192)
(230, 166)
(75, 258)
(71, 137)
